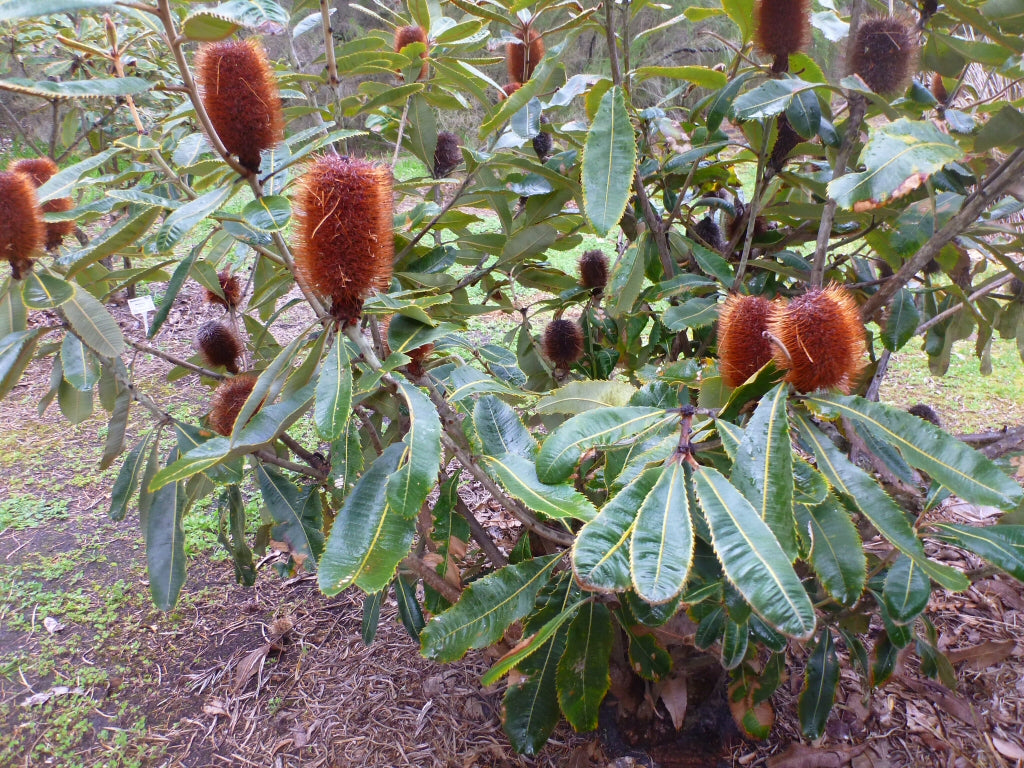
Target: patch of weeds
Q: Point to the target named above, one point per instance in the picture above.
(23, 511)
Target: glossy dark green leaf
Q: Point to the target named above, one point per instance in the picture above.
(769, 98)
(16, 351)
(583, 676)
(371, 615)
(174, 285)
(296, 512)
(906, 590)
(530, 708)
(80, 368)
(837, 553)
(117, 426)
(75, 404)
(609, 157)
(127, 479)
(268, 214)
(486, 609)
(821, 678)
(735, 640)
(661, 547)
(165, 545)
(409, 611)
(751, 557)
(901, 322)
(883, 662)
(93, 323)
(529, 645)
(409, 486)
(334, 393)
(1001, 545)
(647, 658)
(519, 477)
(500, 430)
(804, 113)
(231, 534)
(694, 313)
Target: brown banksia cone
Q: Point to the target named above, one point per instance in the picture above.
(542, 142)
(230, 286)
(41, 170)
(228, 400)
(783, 28)
(594, 270)
(241, 96)
(786, 141)
(407, 36)
(743, 348)
(447, 155)
(219, 345)
(344, 242)
(885, 53)
(522, 58)
(416, 358)
(21, 224)
(563, 342)
(939, 89)
(709, 232)
(926, 412)
(823, 336)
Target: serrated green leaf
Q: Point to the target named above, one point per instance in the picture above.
(114, 87)
(62, 182)
(183, 220)
(486, 609)
(821, 678)
(499, 429)
(518, 475)
(80, 368)
(579, 396)
(583, 676)
(297, 513)
(769, 98)
(752, 558)
(127, 479)
(694, 313)
(906, 590)
(763, 469)
(93, 323)
(837, 553)
(609, 159)
(661, 547)
(371, 615)
(165, 545)
(409, 486)
(1001, 545)
(42, 290)
(334, 393)
(528, 645)
(530, 707)
(268, 214)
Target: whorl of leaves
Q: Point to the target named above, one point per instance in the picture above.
(219, 345)
(228, 400)
(407, 36)
(230, 286)
(824, 336)
(240, 94)
(563, 342)
(783, 28)
(41, 170)
(594, 270)
(344, 243)
(742, 346)
(885, 53)
(447, 155)
(21, 225)
(522, 58)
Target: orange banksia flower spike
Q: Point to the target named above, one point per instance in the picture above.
(21, 223)
(823, 336)
(743, 347)
(508, 90)
(41, 170)
(885, 53)
(522, 58)
(240, 94)
(230, 286)
(407, 36)
(344, 243)
(563, 342)
(783, 28)
(219, 345)
(594, 270)
(228, 400)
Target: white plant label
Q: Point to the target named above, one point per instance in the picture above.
(141, 307)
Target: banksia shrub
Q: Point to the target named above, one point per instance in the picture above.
(563, 342)
(823, 333)
(407, 36)
(783, 28)
(228, 400)
(219, 345)
(41, 170)
(594, 270)
(21, 225)
(742, 346)
(240, 95)
(447, 155)
(708, 231)
(522, 58)
(885, 53)
(230, 286)
(344, 243)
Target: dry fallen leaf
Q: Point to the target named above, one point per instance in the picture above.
(1007, 748)
(801, 756)
(674, 695)
(981, 657)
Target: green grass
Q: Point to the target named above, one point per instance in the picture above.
(22, 511)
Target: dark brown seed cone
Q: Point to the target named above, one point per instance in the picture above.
(783, 28)
(931, 267)
(926, 412)
(824, 335)
(708, 231)
(241, 96)
(219, 345)
(344, 243)
(961, 272)
(563, 342)
(447, 155)
(939, 89)
(41, 170)
(786, 142)
(228, 400)
(594, 270)
(21, 226)
(542, 144)
(885, 53)
(523, 58)
(508, 90)
(407, 36)
(742, 346)
(230, 286)
(884, 269)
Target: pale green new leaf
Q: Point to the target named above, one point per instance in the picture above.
(609, 159)
(579, 396)
(661, 547)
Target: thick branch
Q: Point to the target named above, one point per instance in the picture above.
(432, 579)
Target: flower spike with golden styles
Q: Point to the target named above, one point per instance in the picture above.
(522, 58)
(230, 286)
(563, 342)
(407, 36)
(21, 224)
(241, 96)
(743, 347)
(344, 242)
(228, 399)
(885, 53)
(41, 170)
(783, 28)
(823, 336)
